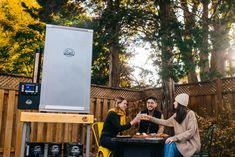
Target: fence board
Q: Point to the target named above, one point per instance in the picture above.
(18, 134)
(83, 134)
(1, 107)
(98, 111)
(92, 105)
(105, 109)
(66, 133)
(59, 132)
(13, 140)
(75, 133)
(70, 132)
(40, 132)
(49, 132)
(112, 103)
(208, 100)
(33, 135)
(9, 124)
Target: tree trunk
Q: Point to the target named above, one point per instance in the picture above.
(218, 62)
(231, 59)
(167, 106)
(167, 97)
(192, 77)
(218, 55)
(114, 70)
(189, 18)
(204, 62)
(114, 48)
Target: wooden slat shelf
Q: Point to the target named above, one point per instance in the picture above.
(56, 118)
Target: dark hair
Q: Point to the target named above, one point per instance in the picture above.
(181, 112)
(151, 97)
(118, 101)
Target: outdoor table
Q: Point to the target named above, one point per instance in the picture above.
(140, 147)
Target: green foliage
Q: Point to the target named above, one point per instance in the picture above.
(100, 56)
(20, 35)
(21, 32)
(57, 12)
(211, 75)
(100, 63)
(18, 55)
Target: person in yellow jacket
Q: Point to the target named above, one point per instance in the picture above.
(186, 140)
(115, 123)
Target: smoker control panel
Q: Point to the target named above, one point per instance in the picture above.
(29, 95)
(29, 88)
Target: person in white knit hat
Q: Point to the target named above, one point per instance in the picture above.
(186, 140)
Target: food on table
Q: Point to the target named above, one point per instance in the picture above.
(138, 134)
(162, 135)
(152, 135)
(144, 134)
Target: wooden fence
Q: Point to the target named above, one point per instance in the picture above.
(205, 98)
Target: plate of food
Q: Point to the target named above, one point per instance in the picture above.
(141, 135)
(152, 135)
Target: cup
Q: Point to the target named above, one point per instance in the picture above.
(143, 116)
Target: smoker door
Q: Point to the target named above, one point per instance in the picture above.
(66, 71)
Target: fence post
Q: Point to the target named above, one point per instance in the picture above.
(37, 65)
(219, 97)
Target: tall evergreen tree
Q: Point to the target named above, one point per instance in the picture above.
(222, 17)
(117, 21)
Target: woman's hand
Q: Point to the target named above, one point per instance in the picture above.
(136, 119)
(170, 139)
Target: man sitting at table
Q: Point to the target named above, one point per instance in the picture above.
(151, 109)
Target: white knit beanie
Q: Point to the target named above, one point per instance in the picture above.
(182, 98)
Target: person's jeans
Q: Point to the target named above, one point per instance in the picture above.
(170, 150)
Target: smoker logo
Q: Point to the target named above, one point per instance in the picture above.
(28, 102)
(69, 52)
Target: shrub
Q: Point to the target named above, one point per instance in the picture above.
(223, 141)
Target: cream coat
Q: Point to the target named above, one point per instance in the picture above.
(186, 134)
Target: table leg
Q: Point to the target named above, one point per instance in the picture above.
(88, 140)
(24, 132)
(25, 137)
(80, 133)
(28, 132)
